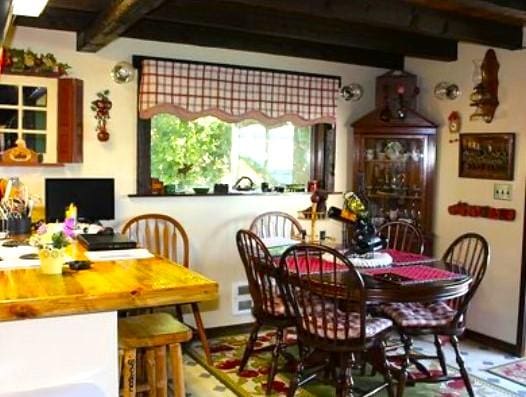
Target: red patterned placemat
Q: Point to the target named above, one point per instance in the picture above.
(314, 265)
(415, 274)
(407, 258)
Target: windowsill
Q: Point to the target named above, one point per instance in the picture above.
(224, 194)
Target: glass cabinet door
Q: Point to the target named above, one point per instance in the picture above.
(393, 169)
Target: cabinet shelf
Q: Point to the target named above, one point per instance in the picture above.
(393, 161)
(393, 195)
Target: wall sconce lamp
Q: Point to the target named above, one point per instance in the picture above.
(351, 92)
(446, 90)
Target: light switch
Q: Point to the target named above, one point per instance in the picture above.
(502, 191)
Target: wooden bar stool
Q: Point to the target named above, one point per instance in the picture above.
(154, 333)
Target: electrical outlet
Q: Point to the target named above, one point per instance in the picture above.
(502, 191)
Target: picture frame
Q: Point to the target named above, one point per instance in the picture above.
(487, 156)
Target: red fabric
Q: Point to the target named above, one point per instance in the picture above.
(314, 265)
(417, 273)
(190, 90)
(401, 257)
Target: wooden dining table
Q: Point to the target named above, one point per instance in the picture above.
(62, 329)
(379, 290)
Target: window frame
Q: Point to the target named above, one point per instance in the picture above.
(323, 145)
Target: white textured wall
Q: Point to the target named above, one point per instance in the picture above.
(495, 308)
(210, 221)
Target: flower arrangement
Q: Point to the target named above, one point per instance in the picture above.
(18, 60)
(52, 236)
(101, 106)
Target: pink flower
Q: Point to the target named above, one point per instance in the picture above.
(69, 227)
(42, 229)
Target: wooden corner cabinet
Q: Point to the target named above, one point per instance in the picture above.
(394, 163)
(70, 120)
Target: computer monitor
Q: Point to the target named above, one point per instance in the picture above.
(94, 198)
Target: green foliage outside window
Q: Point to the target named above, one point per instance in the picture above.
(200, 153)
(189, 153)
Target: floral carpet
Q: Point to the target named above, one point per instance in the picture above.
(227, 352)
(514, 371)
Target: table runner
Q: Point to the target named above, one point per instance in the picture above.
(416, 274)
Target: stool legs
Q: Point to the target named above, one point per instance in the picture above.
(150, 372)
(129, 373)
(161, 379)
(176, 356)
(156, 371)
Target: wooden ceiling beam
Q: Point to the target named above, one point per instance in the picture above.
(112, 22)
(59, 19)
(236, 40)
(267, 22)
(509, 11)
(404, 16)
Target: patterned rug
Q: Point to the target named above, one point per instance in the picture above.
(227, 352)
(515, 371)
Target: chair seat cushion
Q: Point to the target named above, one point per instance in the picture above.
(419, 314)
(373, 325)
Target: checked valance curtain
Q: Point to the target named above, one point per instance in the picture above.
(190, 90)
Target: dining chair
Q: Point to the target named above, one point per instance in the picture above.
(468, 254)
(268, 307)
(166, 237)
(330, 312)
(402, 236)
(276, 224)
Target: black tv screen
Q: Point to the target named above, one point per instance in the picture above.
(94, 198)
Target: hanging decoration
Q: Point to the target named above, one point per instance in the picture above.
(482, 211)
(101, 106)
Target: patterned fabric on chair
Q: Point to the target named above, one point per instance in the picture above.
(468, 254)
(419, 314)
(329, 309)
(373, 325)
(268, 306)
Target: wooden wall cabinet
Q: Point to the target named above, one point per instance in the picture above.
(70, 121)
(394, 165)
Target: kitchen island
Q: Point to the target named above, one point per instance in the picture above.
(62, 329)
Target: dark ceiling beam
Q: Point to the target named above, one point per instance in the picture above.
(112, 22)
(403, 16)
(268, 22)
(236, 40)
(510, 11)
(59, 19)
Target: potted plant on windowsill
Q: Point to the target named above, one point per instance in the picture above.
(51, 242)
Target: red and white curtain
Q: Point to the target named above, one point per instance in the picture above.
(192, 90)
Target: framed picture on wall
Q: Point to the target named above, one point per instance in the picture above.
(487, 156)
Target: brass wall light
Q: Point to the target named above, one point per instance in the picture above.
(351, 92)
(446, 90)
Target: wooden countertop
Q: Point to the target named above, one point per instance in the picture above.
(107, 286)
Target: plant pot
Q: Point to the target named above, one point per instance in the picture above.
(51, 260)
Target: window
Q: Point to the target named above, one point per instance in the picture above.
(186, 154)
(207, 151)
(28, 111)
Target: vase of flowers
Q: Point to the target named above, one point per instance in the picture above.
(51, 243)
